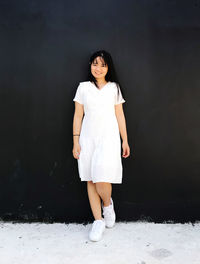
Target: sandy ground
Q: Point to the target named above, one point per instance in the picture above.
(132, 242)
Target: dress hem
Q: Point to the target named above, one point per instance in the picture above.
(117, 182)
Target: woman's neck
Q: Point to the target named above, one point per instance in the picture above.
(101, 81)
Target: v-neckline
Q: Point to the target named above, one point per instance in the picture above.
(101, 87)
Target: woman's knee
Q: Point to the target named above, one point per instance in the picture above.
(100, 185)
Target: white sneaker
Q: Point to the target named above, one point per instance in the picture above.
(97, 230)
(109, 214)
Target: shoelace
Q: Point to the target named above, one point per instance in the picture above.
(108, 212)
(95, 224)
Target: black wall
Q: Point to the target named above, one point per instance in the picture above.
(44, 51)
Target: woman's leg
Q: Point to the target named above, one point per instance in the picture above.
(95, 200)
(104, 189)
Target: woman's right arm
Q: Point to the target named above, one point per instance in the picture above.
(77, 123)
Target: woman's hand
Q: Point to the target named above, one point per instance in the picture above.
(126, 149)
(76, 150)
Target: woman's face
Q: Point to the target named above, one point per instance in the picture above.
(98, 68)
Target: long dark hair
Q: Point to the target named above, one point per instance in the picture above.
(111, 74)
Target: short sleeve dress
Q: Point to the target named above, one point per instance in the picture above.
(100, 156)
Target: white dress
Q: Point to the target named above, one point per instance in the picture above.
(100, 155)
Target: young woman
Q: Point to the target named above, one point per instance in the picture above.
(96, 138)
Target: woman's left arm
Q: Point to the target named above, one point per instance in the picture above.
(122, 128)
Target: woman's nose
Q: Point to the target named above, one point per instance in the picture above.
(98, 67)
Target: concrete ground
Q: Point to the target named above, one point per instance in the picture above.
(132, 242)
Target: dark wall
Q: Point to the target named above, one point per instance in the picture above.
(45, 47)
